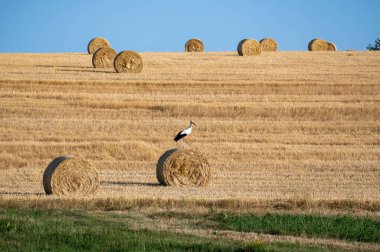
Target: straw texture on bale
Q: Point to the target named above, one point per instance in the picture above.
(97, 43)
(194, 45)
(318, 45)
(128, 62)
(249, 47)
(331, 46)
(268, 45)
(183, 167)
(68, 175)
(104, 57)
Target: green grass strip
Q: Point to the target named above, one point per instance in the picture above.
(39, 230)
(343, 227)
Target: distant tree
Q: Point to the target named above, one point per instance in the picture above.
(375, 47)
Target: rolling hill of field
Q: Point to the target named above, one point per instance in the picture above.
(301, 126)
(284, 132)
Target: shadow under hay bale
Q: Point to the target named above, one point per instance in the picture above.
(104, 57)
(97, 43)
(268, 45)
(194, 45)
(68, 175)
(128, 62)
(183, 167)
(249, 47)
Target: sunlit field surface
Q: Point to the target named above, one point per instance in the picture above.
(281, 126)
(284, 132)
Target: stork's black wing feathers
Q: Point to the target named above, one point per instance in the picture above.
(179, 136)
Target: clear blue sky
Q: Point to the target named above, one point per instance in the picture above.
(144, 26)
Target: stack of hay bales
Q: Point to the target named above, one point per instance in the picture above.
(321, 45)
(183, 167)
(194, 45)
(268, 45)
(128, 62)
(102, 53)
(103, 56)
(68, 175)
(249, 47)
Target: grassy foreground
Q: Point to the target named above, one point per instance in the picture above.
(41, 230)
(339, 227)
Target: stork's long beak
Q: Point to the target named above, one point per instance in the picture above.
(193, 123)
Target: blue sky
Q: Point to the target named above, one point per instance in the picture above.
(146, 26)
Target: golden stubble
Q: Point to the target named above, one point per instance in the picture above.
(280, 126)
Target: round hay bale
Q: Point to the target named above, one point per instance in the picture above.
(183, 167)
(128, 62)
(104, 57)
(97, 43)
(68, 175)
(194, 45)
(317, 45)
(331, 46)
(249, 47)
(239, 47)
(268, 45)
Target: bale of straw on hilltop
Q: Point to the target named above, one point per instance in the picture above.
(318, 45)
(183, 167)
(104, 57)
(128, 62)
(249, 47)
(331, 46)
(194, 45)
(97, 43)
(68, 175)
(268, 45)
(239, 47)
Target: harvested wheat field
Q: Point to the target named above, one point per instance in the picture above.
(281, 130)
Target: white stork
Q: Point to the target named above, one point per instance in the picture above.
(185, 132)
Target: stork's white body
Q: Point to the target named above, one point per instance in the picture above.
(188, 130)
(184, 132)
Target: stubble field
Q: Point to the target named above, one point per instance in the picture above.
(281, 127)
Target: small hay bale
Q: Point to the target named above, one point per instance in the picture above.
(268, 45)
(68, 175)
(331, 46)
(194, 45)
(104, 57)
(183, 167)
(249, 47)
(318, 45)
(128, 62)
(97, 43)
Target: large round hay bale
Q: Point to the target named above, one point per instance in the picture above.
(183, 167)
(318, 45)
(128, 62)
(97, 43)
(268, 45)
(249, 47)
(68, 175)
(104, 57)
(239, 47)
(194, 45)
(331, 46)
